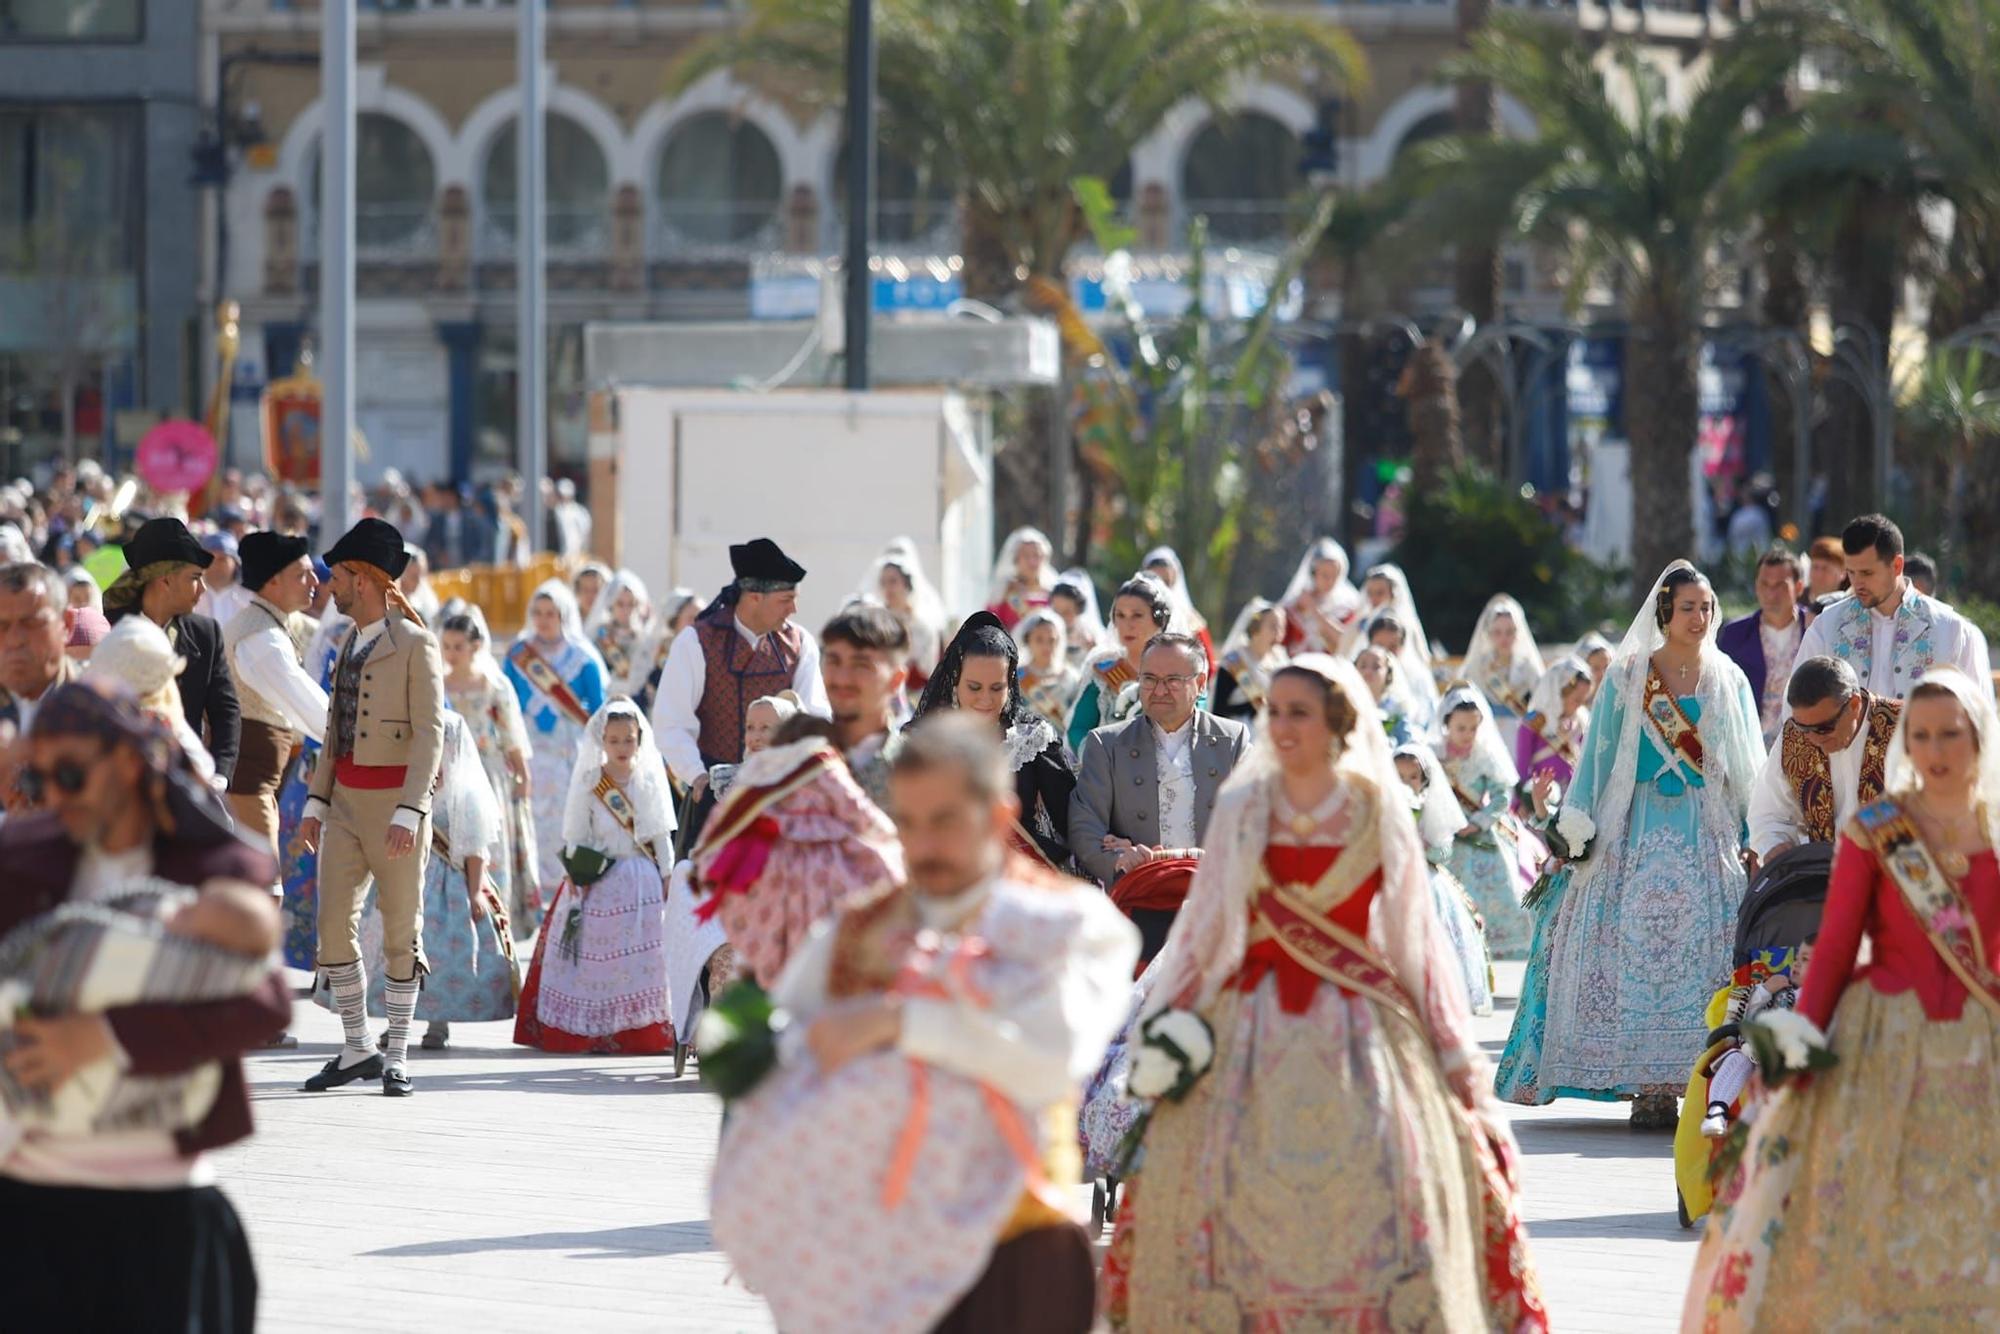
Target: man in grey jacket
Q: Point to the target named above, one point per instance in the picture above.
(1147, 786)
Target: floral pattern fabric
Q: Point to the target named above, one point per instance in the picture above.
(492, 715)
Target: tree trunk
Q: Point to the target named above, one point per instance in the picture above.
(1864, 280)
(1476, 278)
(1662, 416)
(1786, 307)
(1429, 387)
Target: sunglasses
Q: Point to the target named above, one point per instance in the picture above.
(67, 777)
(1827, 728)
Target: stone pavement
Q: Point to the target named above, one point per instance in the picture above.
(522, 1191)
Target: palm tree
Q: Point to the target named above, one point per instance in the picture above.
(1637, 192)
(1013, 100)
(1956, 405)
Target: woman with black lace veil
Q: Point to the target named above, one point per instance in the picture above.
(980, 673)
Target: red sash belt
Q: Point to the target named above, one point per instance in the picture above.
(368, 777)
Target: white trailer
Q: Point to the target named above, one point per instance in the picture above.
(830, 476)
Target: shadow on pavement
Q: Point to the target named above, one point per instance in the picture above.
(618, 1243)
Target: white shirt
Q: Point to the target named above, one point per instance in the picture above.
(1175, 758)
(404, 818)
(1775, 815)
(684, 678)
(268, 663)
(1030, 1047)
(223, 603)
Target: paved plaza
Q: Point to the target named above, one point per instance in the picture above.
(524, 1191)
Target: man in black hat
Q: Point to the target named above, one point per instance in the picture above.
(266, 643)
(368, 807)
(742, 648)
(163, 581)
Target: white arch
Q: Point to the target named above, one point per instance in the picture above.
(1376, 151)
(797, 147)
(497, 112)
(1158, 159)
(373, 93)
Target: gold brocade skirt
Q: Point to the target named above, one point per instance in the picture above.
(1870, 1198)
(1314, 1180)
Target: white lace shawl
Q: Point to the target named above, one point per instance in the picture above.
(1902, 776)
(652, 800)
(1479, 657)
(467, 810)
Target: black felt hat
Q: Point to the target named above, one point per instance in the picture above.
(761, 568)
(164, 539)
(372, 542)
(264, 555)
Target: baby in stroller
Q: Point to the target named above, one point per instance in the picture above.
(1750, 995)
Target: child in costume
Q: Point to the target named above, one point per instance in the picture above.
(1755, 990)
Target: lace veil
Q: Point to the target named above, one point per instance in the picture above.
(652, 802)
(465, 795)
(1479, 652)
(1979, 707)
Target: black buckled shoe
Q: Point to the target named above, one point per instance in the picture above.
(333, 1074)
(396, 1083)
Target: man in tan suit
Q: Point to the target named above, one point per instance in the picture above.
(368, 809)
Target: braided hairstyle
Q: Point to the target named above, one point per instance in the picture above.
(982, 636)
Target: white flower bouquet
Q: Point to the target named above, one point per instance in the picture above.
(1571, 833)
(1175, 1049)
(1786, 1045)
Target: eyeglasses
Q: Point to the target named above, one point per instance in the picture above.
(1827, 728)
(1179, 681)
(67, 777)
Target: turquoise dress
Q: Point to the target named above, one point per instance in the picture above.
(1496, 862)
(1623, 962)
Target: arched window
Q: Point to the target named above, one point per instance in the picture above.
(1434, 126)
(578, 201)
(1242, 171)
(911, 205)
(719, 181)
(395, 183)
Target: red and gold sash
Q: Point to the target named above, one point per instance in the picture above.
(1809, 772)
(1932, 897)
(1679, 738)
(612, 797)
(1502, 693)
(616, 660)
(531, 664)
(1328, 950)
(1115, 677)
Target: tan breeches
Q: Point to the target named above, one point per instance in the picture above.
(350, 852)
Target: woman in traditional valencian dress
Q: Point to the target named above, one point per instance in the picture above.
(1439, 817)
(620, 628)
(492, 711)
(1048, 683)
(587, 585)
(559, 681)
(1164, 564)
(1110, 694)
(1503, 661)
(1385, 588)
(1595, 651)
(1321, 606)
(1494, 856)
(598, 982)
(896, 581)
(1023, 576)
(470, 974)
(1865, 1197)
(1254, 650)
(1074, 598)
(1640, 925)
(1339, 1165)
(978, 673)
(1384, 677)
(1385, 629)
(1551, 735)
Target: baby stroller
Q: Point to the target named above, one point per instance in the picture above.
(1780, 913)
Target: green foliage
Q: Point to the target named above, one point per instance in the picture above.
(1179, 429)
(1475, 537)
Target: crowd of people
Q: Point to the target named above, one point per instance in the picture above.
(1031, 886)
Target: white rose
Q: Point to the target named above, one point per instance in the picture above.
(1797, 1037)
(711, 1031)
(1186, 1030)
(14, 997)
(1152, 1072)
(1576, 827)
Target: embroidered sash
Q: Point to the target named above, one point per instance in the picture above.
(1116, 677)
(616, 660)
(612, 797)
(531, 664)
(1502, 693)
(1676, 733)
(1563, 748)
(1328, 950)
(1932, 897)
(1809, 771)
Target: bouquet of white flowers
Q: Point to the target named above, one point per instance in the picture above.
(1787, 1045)
(1176, 1048)
(1571, 833)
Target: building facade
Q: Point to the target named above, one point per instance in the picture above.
(700, 206)
(100, 240)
